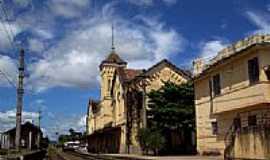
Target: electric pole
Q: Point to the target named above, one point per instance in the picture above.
(39, 126)
(19, 100)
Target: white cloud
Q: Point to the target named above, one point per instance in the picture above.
(8, 32)
(8, 66)
(151, 2)
(74, 61)
(68, 9)
(210, 49)
(260, 20)
(82, 122)
(36, 45)
(8, 119)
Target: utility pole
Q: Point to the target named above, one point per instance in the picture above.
(39, 126)
(19, 100)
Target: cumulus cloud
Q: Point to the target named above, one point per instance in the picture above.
(8, 32)
(73, 61)
(68, 9)
(8, 118)
(9, 68)
(260, 20)
(36, 45)
(210, 49)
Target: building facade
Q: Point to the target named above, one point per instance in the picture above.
(30, 137)
(232, 96)
(113, 121)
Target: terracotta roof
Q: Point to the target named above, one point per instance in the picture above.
(128, 74)
(113, 58)
(131, 73)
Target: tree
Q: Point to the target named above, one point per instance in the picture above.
(72, 134)
(63, 138)
(172, 111)
(172, 106)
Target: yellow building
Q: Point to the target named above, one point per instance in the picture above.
(232, 96)
(113, 121)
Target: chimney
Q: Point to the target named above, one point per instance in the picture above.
(198, 65)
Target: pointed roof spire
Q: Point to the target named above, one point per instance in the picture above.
(113, 57)
(113, 48)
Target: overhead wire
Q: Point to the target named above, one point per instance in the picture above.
(8, 79)
(9, 24)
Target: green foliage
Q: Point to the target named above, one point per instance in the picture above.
(143, 138)
(64, 138)
(71, 137)
(150, 140)
(172, 106)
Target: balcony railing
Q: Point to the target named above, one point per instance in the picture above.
(242, 98)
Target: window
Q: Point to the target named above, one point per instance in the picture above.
(252, 120)
(216, 84)
(237, 123)
(253, 70)
(109, 85)
(214, 128)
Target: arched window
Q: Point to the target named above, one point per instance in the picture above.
(109, 84)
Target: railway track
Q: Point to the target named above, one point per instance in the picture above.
(84, 156)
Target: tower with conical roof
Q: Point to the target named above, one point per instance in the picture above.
(108, 68)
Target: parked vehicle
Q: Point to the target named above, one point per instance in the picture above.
(71, 146)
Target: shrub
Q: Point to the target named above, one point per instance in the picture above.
(150, 140)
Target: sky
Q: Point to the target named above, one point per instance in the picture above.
(65, 41)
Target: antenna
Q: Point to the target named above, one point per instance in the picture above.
(113, 48)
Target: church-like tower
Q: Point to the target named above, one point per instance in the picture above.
(108, 68)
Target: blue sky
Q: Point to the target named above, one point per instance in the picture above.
(65, 40)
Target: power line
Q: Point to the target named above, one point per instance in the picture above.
(9, 25)
(8, 79)
(9, 31)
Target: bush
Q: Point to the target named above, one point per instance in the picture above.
(150, 140)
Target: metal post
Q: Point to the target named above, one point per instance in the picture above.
(39, 126)
(19, 100)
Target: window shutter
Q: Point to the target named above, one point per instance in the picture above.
(253, 70)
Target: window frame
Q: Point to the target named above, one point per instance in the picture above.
(252, 120)
(216, 84)
(214, 126)
(253, 70)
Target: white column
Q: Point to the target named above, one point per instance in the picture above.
(30, 141)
